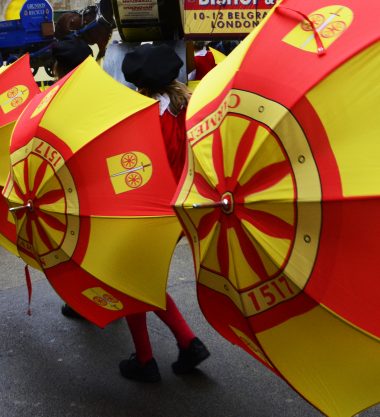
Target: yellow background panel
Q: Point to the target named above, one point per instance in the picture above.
(347, 103)
(133, 255)
(8, 245)
(5, 137)
(335, 366)
(90, 94)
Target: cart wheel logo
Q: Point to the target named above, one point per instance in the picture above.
(12, 92)
(103, 299)
(16, 102)
(330, 23)
(129, 160)
(129, 171)
(333, 29)
(99, 301)
(317, 20)
(248, 211)
(133, 180)
(44, 226)
(13, 98)
(110, 298)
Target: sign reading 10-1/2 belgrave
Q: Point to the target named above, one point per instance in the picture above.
(234, 18)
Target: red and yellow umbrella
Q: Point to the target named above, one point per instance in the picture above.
(17, 87)
(281, 199)
(90, 188)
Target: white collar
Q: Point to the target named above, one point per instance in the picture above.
(164, 101)
(202, 52)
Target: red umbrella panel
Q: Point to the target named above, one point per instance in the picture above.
(90, 189)
(281, 196)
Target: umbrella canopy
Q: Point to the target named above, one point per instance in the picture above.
(281, 199)
(17, 88)
(90, 188)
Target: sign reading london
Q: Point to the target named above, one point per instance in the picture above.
(234, 18)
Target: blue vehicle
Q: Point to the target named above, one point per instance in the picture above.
(33, 33)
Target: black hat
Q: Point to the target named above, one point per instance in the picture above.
(71, 52)
(151, 66)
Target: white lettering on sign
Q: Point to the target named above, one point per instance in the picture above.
(35, 12)
(35, 6)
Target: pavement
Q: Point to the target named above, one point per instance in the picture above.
(52, 366)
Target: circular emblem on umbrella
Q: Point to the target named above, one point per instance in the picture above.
(252, 223)
(102, 298)
(329, 22)
(41, 183)
(13, 98)
(129, 171)
(45, 101)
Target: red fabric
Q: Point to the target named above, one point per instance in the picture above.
(174, 133)
(203, 64)
(172, 317)
(29, 286)
(139, 330)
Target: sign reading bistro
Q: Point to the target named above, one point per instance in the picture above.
(218, 18)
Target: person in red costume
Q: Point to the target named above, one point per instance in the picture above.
(153, 70)
(204, 61)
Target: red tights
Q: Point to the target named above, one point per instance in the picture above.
(171, 317)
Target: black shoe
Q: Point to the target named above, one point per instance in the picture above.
(189, 358)
(67, 311)
(132, 369)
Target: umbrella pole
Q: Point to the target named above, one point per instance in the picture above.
(28, 205)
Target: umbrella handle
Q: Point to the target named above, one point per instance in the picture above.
(225, 204)
(320, 48)
(28, 205)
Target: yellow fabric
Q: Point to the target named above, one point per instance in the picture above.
(218, 56)
(9, 246)
(350, 110)
(318, 346)
(5, 136)
(192, 85)
(126, 261)
(13, 9)
(85, 91)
